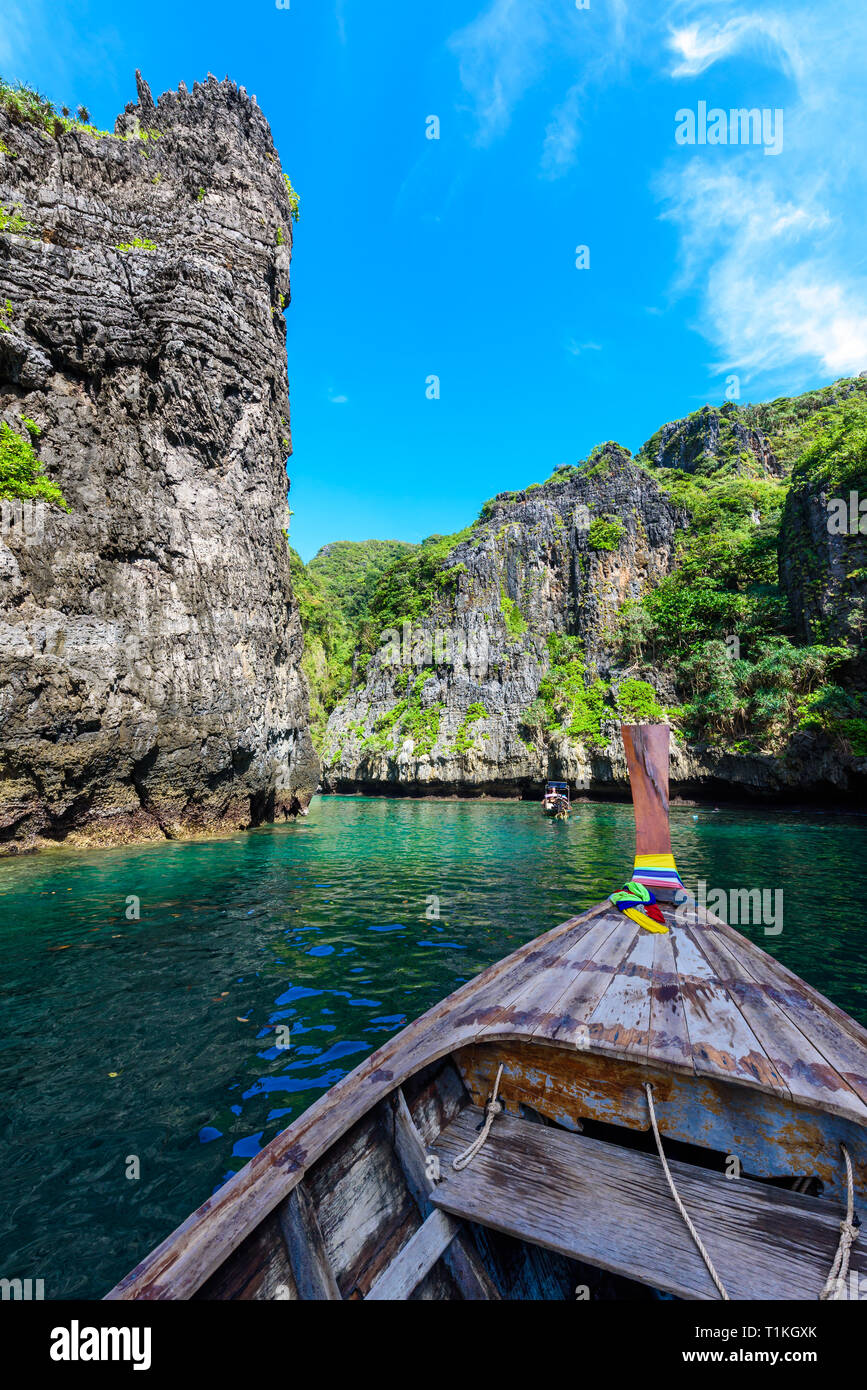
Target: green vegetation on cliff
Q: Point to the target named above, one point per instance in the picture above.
(26, 107)
(22, 476)
(465, 737)
(834, 446)
(721, 625)
(715, 440)
(407, 588)
(795, 424)
(570, 705)
(516, 624)
(409, 718)
(723, 634)
(726, 579)
(605, 533)
(567, 704)
(12, 221)
(334, 594)
(350, 570)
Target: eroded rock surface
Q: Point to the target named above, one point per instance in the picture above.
(555, 560)
(712, 439)
(149, 642)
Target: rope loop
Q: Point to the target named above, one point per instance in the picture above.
(493, 1108)
(835, 1285)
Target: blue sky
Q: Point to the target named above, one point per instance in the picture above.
(456, 257)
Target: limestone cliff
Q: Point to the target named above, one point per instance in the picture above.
(697, 582)
(447, 704)
(149, 641)
(710, 440)
(823, 539)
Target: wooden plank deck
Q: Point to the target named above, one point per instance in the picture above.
(464, 1264)
(533, 1001)
(833, 1033)
(611, 1208)
(582, 985)
(795, 1056)
(721, 1040)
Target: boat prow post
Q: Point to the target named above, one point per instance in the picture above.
(647, 748)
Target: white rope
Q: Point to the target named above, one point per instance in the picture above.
(492, 1110)
(835, 1286)
(681, 1208)
(836, 1281)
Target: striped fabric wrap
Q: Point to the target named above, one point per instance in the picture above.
(657, 871)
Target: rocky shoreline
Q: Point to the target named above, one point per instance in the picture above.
(814, 775)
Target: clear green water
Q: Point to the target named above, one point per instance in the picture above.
(319, 925)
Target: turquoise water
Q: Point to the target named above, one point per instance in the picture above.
(155, 1039)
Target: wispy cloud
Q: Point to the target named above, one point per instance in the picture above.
(773, 290)
(340, 15)
(500, 55)
(513, 44)
(563, 132)
(701, 43)
(769, 249)
(772, 248)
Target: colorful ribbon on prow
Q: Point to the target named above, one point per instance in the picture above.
(638, 903)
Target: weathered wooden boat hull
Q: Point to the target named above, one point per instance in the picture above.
(336, 1193)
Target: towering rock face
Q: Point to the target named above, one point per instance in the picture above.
(823, 537)
(149, 642)
(823, 564)
(712, 440)
(448, 704)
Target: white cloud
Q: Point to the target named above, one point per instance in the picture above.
(337, 400)
(577, 348)
(772, 248)
(699, 44)
(801, 315)
(500, 56)
(563, 132)
(773, 289)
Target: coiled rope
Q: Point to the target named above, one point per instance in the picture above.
(835, 1287)
(492, 1110)
(676, 1195)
